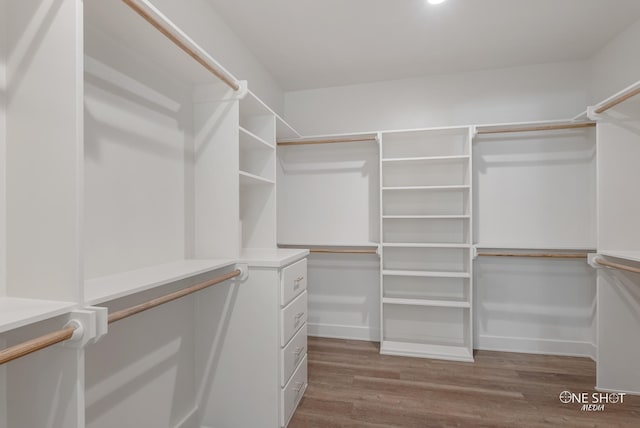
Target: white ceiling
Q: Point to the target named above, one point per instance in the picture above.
(320, 43)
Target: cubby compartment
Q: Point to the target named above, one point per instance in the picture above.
(450, 231)
(257, 157)
(429, 173)
(426, 202)
(258, 119)
(420, 144)
(427, 332)
(450, 260)
(438, 290)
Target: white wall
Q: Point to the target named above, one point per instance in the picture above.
(207, 28)
(537, 92)
(617, 65)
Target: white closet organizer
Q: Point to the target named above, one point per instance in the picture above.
(426, 269)
(618, 140)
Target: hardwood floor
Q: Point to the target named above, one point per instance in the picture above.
(352, 385)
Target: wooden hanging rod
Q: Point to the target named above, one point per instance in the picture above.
(125, 313)
(330, 141)
(620, 266)
(173, 33)
(333, 251)
(36, 344)
(536, 128)
(618, 100)
(538, 255)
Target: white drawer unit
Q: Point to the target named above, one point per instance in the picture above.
(292, 354)
(265, 343)
(292, 318)
(293, 392)
(294, 281)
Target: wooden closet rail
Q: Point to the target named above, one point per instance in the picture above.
(537, 255)
(618, 100)
(536, 128)
(155, 18)
(327, 141)
(33, 345)
(619, 266)
(125, 313)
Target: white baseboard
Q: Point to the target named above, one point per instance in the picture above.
(351, 332)
(617, 391)
(189, 421)
(537, 346)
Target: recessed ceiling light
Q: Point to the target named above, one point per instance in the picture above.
(436, 1)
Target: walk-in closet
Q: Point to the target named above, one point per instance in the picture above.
(289, 213)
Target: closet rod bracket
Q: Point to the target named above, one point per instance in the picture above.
(87, 328)
(474, 252)
(244, 271)
(243, 90)
(592, 115)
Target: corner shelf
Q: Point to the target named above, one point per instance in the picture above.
(107, 288)
(248, 179)
(20, 312)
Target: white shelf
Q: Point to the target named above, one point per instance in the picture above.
(424, 302)
(428, 159)
(417, 245)
(425, 217)
(408, 349)
(107, 288)
(425, 274)
(18, 312)
(248, 179)
(454, 187)
(632, 256)
(250, 141)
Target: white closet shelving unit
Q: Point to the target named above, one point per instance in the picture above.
(257, 172)
(618, 140)
(426, 229)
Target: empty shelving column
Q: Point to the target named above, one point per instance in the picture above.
(426, 270)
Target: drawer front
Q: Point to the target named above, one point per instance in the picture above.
(292, 318)
(293, 392)
(292, 354)
(293, 282)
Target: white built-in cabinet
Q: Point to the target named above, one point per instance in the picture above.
(426, 230)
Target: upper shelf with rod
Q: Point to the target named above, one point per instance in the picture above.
(615, 100)
(159, 38)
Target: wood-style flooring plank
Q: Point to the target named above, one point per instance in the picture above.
(351, 385)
